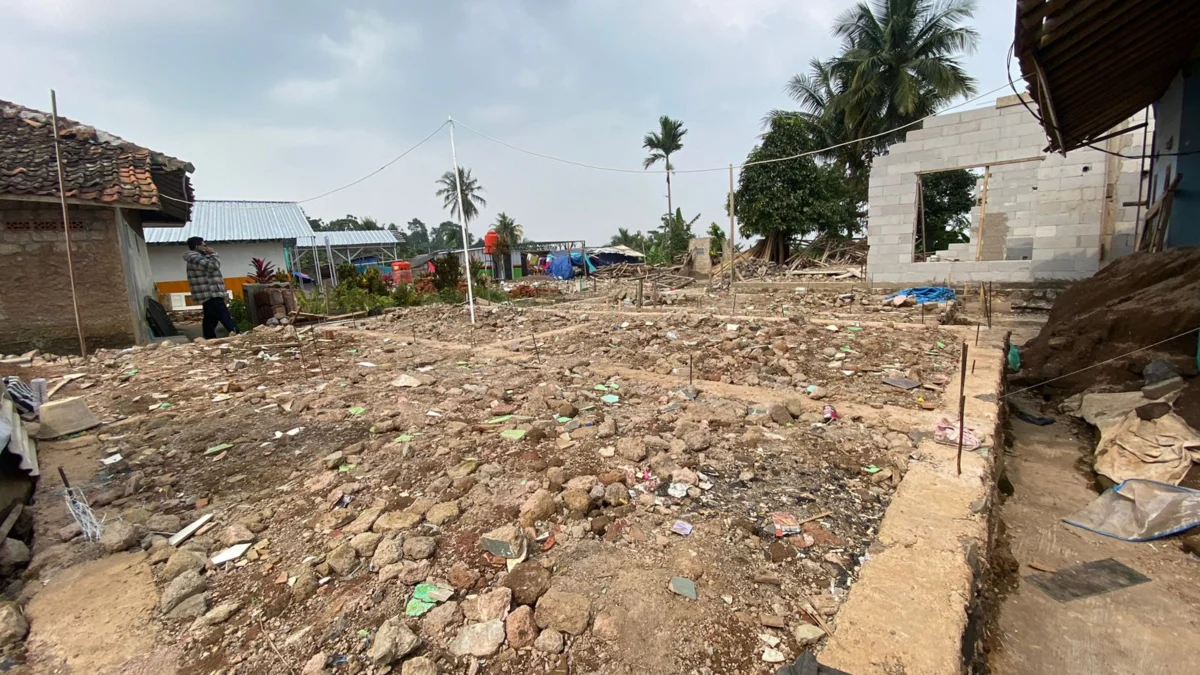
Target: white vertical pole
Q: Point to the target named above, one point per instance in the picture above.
(462, 223)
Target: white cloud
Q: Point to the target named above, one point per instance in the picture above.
(357, 58)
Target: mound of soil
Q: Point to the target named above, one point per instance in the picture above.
(1136, 301)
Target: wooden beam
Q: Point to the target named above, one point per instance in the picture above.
(987, 173)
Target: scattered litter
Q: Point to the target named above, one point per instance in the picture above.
(682, 527)
(357, 410)
(830, 414)
(1014, 359)
(109, 461)
(188, 531)
(513, 434)
(772, 655)
(500, 419)
(1088, 579)
(678, 490)
(610, 398)
(684, 587)
(505, 542)
(785, 524)
(1140, 510)
(367, 364)
(232, 553)
(294, 432)
(872, 469)
(404, 438)
(218, 448)
(905, 383)
(947, 434)
(831, 328)
(1034, 419)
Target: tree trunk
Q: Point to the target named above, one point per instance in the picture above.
(670, 208)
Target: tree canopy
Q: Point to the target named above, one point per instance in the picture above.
(947, 197)
(472, 194)
(509, 232)
(793, 198)
(663, 143)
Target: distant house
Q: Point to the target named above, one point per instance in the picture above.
(238, 231)
(116, 191)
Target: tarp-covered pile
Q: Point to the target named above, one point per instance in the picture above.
(1161, 448)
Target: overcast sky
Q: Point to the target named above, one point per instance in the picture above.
(286, 99)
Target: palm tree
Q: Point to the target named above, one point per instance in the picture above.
(623, 237)
(471, 194)
(662, 144)
(508, 231)
(901, 60)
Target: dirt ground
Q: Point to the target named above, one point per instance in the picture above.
(1151, 627)
(364, 461)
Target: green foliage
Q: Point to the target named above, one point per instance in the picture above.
(346, 223)
(479, 274)
(716, 238)
(241, 316)
(509, 232)
(676, 234)
(947, 198)
(901, 60)
(795, 198)
(491, 294)
(662, 144)
(472, 194)
(418, 237)
(372, 281)
(447, 272)
(346, 272)
(447, 235)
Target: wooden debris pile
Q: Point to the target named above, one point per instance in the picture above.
(825, 258)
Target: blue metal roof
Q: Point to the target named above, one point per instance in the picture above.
(353, 238)
(221, 221)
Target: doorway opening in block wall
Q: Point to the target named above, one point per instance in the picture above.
(976, 213)
(944, 203)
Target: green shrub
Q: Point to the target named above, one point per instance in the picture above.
(241, 316)
(447, 272)
(372, 281)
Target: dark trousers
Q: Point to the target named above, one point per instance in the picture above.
(215, 311)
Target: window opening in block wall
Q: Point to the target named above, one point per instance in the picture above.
(944, 202)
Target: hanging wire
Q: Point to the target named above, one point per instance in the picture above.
(810, 153)
(395, 159)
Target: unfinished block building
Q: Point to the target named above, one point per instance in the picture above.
(1036, 216)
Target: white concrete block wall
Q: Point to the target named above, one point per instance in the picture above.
(1056, 202)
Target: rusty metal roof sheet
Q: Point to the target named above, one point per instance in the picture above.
(1092, 64)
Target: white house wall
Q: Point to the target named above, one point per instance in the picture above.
(167, 262)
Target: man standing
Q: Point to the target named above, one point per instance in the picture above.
(208, 287)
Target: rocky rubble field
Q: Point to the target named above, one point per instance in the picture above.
(376, 505)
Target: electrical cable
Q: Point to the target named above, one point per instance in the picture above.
(1041, 120)
(344, 187)
(723, 168)
(1097, 365)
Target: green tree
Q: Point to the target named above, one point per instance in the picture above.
(662, 144)
(901, 61)
(785, 200)
(716, 237)
(947, 198)
(623, 237)
(447, 235)
(472, 193)
(418, 236)
(510, 233)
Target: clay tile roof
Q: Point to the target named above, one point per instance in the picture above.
(97, 166)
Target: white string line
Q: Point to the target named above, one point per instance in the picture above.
(1096, 365)
(326, 194)
(726, 168)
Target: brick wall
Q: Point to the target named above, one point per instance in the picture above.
(1048, 216)
(35, 289)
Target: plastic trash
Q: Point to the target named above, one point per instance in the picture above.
(1014, 359)
(1140, 510)
(830, 414)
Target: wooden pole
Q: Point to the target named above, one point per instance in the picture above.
(987, 173)
(924, 237)
(62, 194)
(732, 249)
(962, 404)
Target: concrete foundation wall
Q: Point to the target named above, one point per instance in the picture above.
(1047, 216)
(35, 290)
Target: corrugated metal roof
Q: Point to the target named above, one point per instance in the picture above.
(1092, 64)
(354, 238)
(220, 221)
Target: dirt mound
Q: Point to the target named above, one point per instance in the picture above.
(1136, 301)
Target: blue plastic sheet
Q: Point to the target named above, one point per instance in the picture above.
(1140, 510)
(925, 294)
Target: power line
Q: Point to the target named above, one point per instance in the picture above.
(344, 187)
(726, 167)
(1042, 121)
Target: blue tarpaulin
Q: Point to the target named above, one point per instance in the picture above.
(924, 294)
(560, 267)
